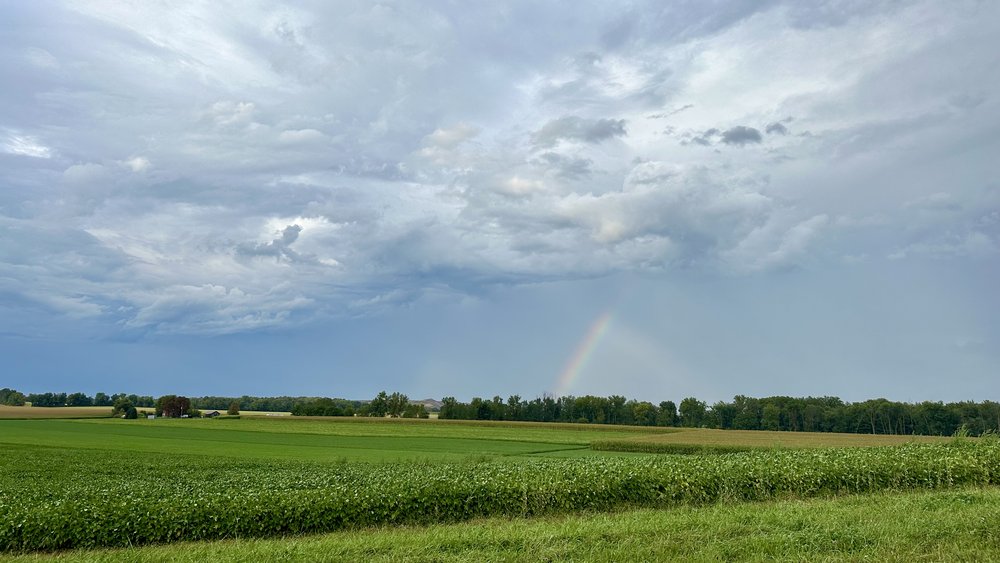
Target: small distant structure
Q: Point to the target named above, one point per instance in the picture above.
(212, 414)
(150, 416)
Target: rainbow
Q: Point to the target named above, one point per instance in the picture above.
(583, 351)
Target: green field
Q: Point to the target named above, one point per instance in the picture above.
(54, 412)
(960, 525)
(110, 482)
(292, 440)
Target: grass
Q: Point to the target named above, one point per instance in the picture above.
(571, 434)
(256, 439)
(366, 439)
(54, 412)
(956, 525)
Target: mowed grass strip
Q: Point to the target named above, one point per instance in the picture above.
(958, 525)
(556, 433)
(252, 441)
(7, 412)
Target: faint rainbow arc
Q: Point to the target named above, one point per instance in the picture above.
(582, 353)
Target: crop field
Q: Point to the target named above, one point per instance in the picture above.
(875, 527)
(694, 440)
(69, 484)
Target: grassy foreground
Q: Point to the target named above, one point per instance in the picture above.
(956, 525)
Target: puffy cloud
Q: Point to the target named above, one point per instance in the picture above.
(215, 170)
(738, 135)
(776, 128)
(741, 135)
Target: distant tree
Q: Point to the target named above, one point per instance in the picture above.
(617, 413)
(644, 413)
(415, 410)
(770, 418)
(11, 397)
(379, 405)
(121, 406)
(692, 412)
(515, 408)
(234, 408)
(667, 414)
(722, 415)
(79, 400)
(131, 413)
(102, 400)
(449, 409)
(172, 406)
(395, 404)
(747, 413)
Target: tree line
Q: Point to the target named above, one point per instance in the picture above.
(395, 405)
(15, 398)
(384, 404)
(802, 414)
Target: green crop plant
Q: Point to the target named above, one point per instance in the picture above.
(56, 499)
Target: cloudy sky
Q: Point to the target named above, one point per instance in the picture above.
(334, 198)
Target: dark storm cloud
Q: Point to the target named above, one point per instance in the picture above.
(704, 139)
(741, 135)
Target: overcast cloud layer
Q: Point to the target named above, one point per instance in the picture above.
(207, 176)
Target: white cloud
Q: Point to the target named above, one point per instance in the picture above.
(25, 145)
(84, 173)
(301, 136)
(137, 164)
(419, 148)
(451, 137)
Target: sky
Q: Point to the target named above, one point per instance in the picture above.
(650, 199)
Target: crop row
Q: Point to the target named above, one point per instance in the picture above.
(54, 500)
(637, 446)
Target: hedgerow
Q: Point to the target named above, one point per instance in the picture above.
(52, 499)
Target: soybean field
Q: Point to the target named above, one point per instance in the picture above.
(85, 484)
